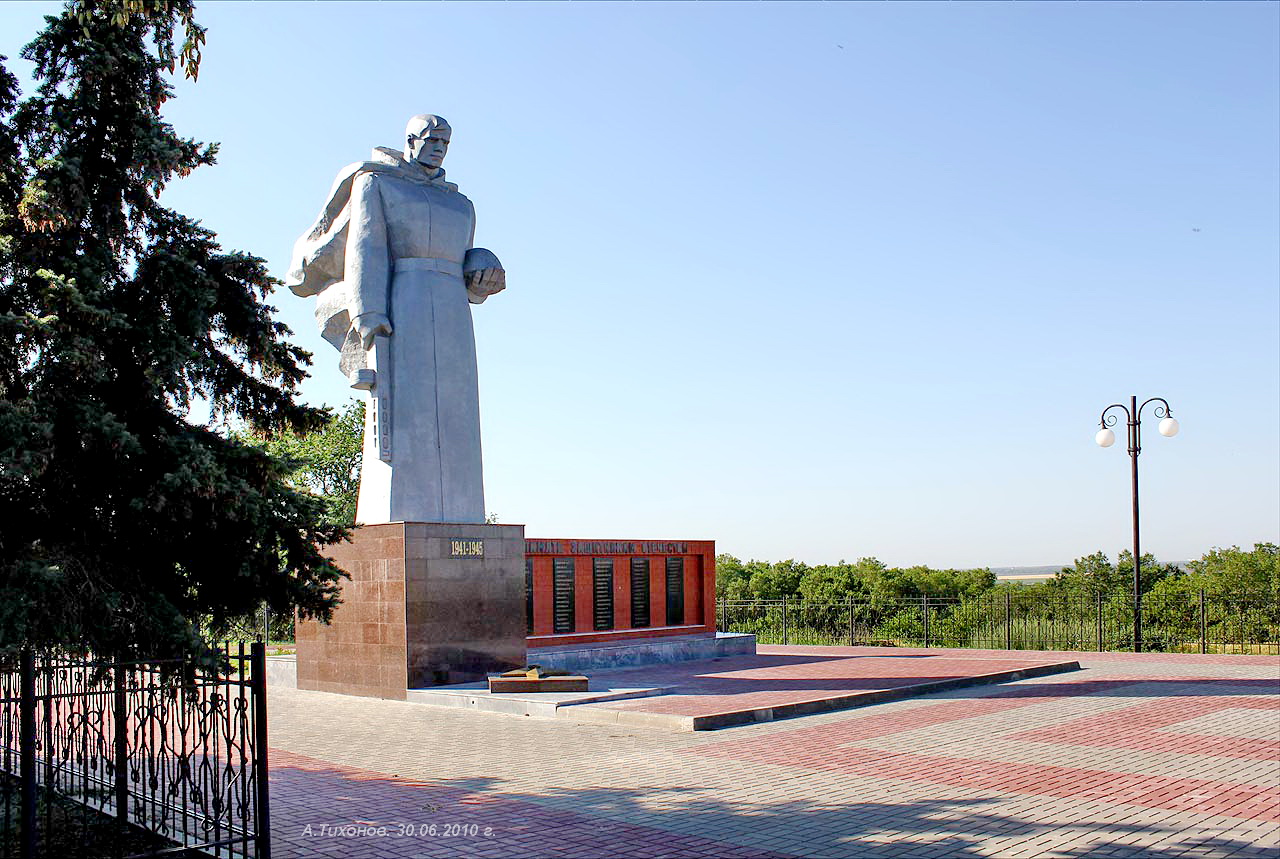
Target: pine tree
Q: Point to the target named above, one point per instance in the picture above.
(125, 526)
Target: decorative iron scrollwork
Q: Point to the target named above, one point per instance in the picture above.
(178, 746)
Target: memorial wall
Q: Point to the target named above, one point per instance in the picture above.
(580, 591)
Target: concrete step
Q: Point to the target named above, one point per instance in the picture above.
(546, 705)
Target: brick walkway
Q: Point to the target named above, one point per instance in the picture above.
(782, 676)
(1150, 755)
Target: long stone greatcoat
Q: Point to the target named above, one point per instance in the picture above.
(392, 241)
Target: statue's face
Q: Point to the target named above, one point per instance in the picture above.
(428, 146)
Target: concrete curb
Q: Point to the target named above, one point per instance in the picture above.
(545, 705)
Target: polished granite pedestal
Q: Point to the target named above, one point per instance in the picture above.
(427, 604)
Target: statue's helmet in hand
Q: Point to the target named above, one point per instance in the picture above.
(479, 259)
(482, 274)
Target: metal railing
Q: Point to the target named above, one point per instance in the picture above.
(1008, 619)
(101, 758)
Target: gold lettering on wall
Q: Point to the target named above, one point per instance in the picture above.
(466, 548)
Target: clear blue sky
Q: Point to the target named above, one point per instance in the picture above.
(815, 281)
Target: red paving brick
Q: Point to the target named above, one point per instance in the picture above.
(1133, 727)
(319, 805)
(1247, 801)
(738, 683)
(1139, 728)
(1147, 755)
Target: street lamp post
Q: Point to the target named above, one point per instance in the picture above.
(1105, 438)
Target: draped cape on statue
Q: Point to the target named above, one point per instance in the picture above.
(320, 256)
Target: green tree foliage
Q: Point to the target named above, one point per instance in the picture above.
(866, 578)
(325, 461)
(899, 583)
(1232, 571)
(732, 578)
(838, 582)
(774, 581)
(124, 523)
(1219, 572)
(1095, 573)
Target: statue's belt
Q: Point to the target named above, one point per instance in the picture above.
(444, 266)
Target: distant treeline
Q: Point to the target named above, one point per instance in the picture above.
(1219, 572)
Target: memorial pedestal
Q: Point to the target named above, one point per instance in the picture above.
(427, 604)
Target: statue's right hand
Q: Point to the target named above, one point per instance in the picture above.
(369, 325)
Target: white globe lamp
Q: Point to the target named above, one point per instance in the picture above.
(1168, 427)
(1105, 437)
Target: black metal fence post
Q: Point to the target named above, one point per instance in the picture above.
(926, 620)
(1008, 621)
(258, 679)
(784, 619)
(1204, 644)
(45, 726)
(121, 745)
(1240, 626)
(1099, 615)
(27, 752)
(852, 634)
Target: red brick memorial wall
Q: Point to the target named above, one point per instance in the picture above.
(581, 591)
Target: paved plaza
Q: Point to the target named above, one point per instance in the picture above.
(1134, 755)
(743, 689)
(789, 681)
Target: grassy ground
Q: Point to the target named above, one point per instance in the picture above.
(66, 828)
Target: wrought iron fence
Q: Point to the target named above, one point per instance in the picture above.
(117, 759)
(1019, 620)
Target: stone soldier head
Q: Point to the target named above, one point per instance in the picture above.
(427, 140)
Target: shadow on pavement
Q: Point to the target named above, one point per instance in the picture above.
(482, 817)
